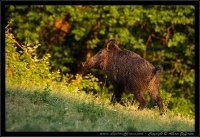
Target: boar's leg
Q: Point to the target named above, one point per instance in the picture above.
(117, 94)
(160, 105)
(155, 95)
(140, 97)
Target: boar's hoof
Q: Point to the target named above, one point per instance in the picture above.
(162, 113)
(140, 108)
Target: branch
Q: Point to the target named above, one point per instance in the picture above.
(163, 40)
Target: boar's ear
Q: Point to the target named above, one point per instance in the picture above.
(113, 43)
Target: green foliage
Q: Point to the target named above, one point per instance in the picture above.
(22, 65)
(91, 84)
(61, 37)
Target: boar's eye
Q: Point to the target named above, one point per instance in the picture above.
(100, 52)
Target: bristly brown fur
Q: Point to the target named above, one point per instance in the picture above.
(128, 70)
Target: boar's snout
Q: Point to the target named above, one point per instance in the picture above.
(84, 64)
(90, 63)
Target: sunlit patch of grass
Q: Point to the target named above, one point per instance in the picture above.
(55, 108)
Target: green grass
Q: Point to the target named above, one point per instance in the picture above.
(56, 109)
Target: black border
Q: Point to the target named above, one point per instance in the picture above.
(99, 2)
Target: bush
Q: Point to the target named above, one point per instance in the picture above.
(23, 65)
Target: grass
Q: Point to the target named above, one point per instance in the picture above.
(56, 109)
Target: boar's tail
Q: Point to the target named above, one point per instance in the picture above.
(158, 70)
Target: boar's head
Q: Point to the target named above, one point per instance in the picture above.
(100, 59)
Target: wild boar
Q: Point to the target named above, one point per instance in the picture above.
(128, 70)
